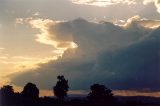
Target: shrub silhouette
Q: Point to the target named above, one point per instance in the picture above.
(30, 91)
(61, 88)
(100, 94)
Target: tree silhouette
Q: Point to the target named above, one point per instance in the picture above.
(100, 94)
(7, 90)
(6, 94)
(61, 88)
(30, 91)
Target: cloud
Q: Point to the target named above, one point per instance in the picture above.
(1, 53)
(69, 34)
(136, 66)
(21, 63)
(2, 48)
(136, 93)
(156, 2)
(47, 37)
(103, 3)
(50, 38)
(19, 20)
(121, 57)
(36, 14)
(145, 2)
(136, 20)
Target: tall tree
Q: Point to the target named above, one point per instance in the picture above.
(61, 88)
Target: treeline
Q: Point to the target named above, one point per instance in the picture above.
(99, 95)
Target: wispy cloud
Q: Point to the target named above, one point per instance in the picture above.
(2, 48)
(136, 93)
(103, 3)
(3, 57)
(36, 14)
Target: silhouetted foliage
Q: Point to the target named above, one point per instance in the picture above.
(6, 94)
(100, 94)
(7, 90)
(30, 91)
(61, 88)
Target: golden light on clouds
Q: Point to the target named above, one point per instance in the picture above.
(103, 3)
(73, 45)
(142, 22)
(50, 38)
(13, 64)
(45, 36)
(2, 48)
(4, 81)
(18, 63)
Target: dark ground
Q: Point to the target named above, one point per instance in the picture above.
(80, 101)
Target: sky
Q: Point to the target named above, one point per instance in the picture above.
(111, 42)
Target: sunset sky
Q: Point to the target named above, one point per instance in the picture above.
(111, 42)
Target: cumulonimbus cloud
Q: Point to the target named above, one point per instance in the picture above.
(122, 57)
(63, 35)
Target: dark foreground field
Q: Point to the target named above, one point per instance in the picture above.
(81, 101)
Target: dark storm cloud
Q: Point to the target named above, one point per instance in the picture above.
(134, 67)
(120, 57)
